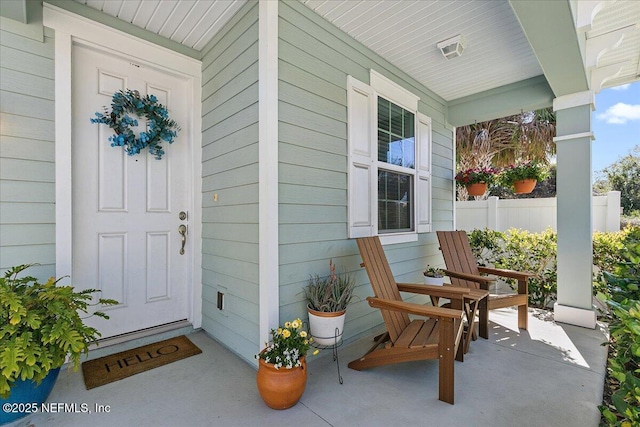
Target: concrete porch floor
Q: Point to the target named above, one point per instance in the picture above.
(550, 375)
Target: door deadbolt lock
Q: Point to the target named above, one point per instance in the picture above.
(183, 215)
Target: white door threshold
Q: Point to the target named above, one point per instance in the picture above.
(139, 338)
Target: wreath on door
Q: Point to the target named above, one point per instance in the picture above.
(160, 128)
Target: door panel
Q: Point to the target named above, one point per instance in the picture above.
(125, 208)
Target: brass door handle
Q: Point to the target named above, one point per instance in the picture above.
(183, 232)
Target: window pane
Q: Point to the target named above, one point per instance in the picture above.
(397, 117)
(408, 153)
(384, 143)
(409, 128)
(396, 134)
(409, 142)
(383, 113)
(395, 201)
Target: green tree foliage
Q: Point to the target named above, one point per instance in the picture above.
(624, 176)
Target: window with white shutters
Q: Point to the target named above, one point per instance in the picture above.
(389, 161)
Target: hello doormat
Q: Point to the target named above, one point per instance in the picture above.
(112, 368)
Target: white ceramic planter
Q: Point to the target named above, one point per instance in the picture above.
(437, 281)
(322, 326)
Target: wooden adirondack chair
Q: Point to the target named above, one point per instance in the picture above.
(464, 271)
(437, 337)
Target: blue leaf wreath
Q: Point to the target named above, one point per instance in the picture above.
(159, 126)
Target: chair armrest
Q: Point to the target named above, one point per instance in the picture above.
(519, 275)
(451, 292)
(417, 309)
(483, 280)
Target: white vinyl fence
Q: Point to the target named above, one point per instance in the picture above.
(534, 215)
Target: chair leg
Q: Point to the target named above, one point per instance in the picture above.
(446, 348)
(470, 309)
(460, 352)
(523, 289)
(483, 314)
(523, 321)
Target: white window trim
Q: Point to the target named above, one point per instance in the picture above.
(392, 239)
(393, 92)
(364, 164)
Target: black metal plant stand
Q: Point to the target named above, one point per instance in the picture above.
(334, 347)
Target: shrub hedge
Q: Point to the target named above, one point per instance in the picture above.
(623, 300)
(523, 251)
(537, 252)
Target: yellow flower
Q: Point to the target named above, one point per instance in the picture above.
(296, 324)
(303, 334)
(279, 331)
(316, 352)
(287, 325)
(286, 333)
(306, 342)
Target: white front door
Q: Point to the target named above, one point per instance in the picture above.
(126, 209)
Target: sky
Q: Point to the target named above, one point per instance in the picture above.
(615, 124)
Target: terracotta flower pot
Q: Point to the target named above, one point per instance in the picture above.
(477, 189)
(525, 186)
(281, 388)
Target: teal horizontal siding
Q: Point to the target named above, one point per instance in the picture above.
(27, 153)
(17, 81)
(230, 184)
(315, 59)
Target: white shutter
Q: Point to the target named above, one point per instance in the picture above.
(360, 187)
(423, 174)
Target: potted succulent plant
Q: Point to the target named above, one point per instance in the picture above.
(433, 276)
(476, 180)
(523, 176)
(40, 326)
(327, 301)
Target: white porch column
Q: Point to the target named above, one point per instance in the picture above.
(575, 257)
(268, 168)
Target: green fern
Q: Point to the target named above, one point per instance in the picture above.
(42, 324)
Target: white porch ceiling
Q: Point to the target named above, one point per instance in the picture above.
(405, 32)
(192, 23)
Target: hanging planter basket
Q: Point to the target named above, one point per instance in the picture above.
(477, 189)
(525, 186)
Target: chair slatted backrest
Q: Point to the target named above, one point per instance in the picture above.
(457, 254)
(383, 284)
